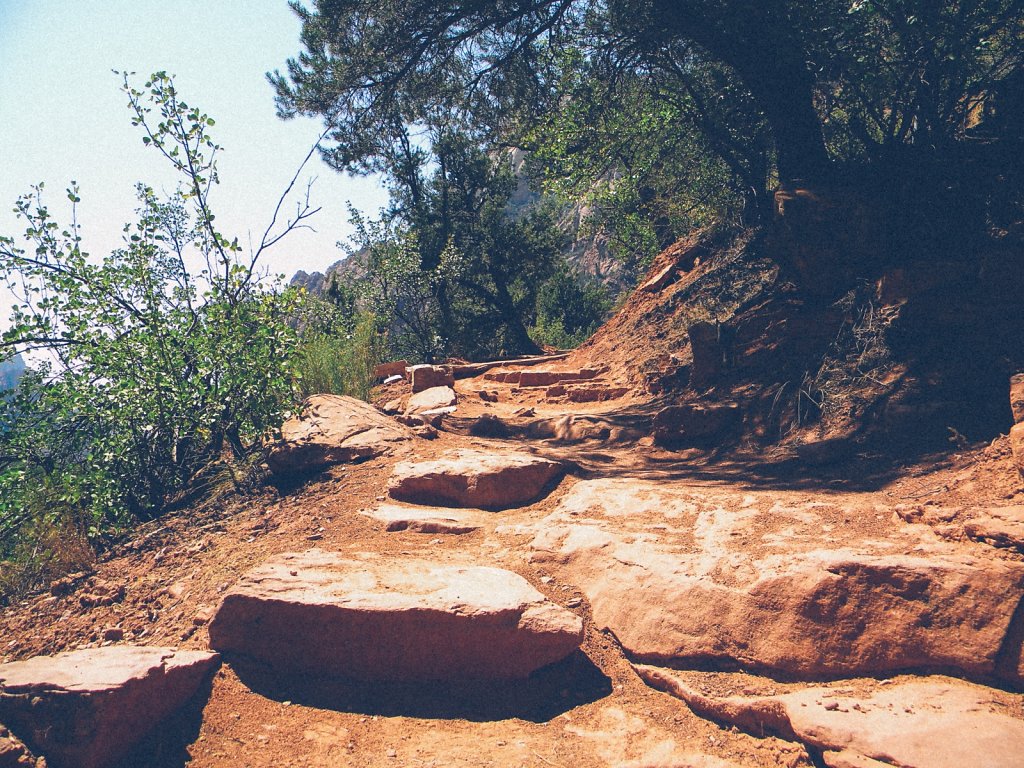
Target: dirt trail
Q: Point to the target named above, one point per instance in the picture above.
(590, 710)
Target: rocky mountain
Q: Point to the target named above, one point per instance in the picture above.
(11, 371)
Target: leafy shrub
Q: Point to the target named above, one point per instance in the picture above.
(341, 363)
(568, 310)
(150, 370)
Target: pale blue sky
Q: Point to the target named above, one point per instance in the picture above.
(63, 117)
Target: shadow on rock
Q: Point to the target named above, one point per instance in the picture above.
(545, 694)
(167, 745)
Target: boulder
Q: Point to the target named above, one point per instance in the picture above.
(333, 429)
(767, 580)
(935, 723)
(88, 708)
(489, 425)
(431, 399)
(424, 519)
(428, 376)
(398, 620)
(696, 423)
(474, 479)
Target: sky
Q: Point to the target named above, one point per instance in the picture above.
(63, 117)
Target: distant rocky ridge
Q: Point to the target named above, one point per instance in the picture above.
(11, 371)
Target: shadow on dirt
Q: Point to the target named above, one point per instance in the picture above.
(547, 693)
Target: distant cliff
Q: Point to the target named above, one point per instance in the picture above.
(11, 371)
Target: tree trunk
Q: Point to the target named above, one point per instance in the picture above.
(756, 39)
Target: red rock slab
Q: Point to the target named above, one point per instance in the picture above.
(769, 581)
(431, 399)
(428, 376)
(474, 479)
(425, 519)
(384, 370)
(333, 429)
(396, 620)
(88, 708)
(934, 723)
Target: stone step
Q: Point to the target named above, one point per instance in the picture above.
(425, 519)
(398, 620)
(88, 708)
(470, 478)
(540, 378)
(770, 581)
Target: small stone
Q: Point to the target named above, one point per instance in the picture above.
(113, 634)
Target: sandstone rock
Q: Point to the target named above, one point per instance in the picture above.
(425, 519)
(696, 423)
(569, 429)
(1017, 446)
(333, 429)
(504, 377)
(431, 399)
(697, 576)
(1001, 527)
(387, 370)
(428, 376)
(547, 378)
(402, 620)
(488, 395)
(13, 753)
(1017, 397)
(393, 406)
(927, 724)
(474, 479)
(88, 708)
(594, 394)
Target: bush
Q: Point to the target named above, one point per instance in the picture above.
(151, 371)
(568, 310)
(339, 364)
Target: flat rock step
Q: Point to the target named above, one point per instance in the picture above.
(925, 724)
(407, 620)
(425, 519)
(474, 479)
(542, 378)
(88, 708)
(767, 581)
(333, 429)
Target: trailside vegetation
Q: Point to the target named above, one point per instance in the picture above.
(151, 363)
(663, 114)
